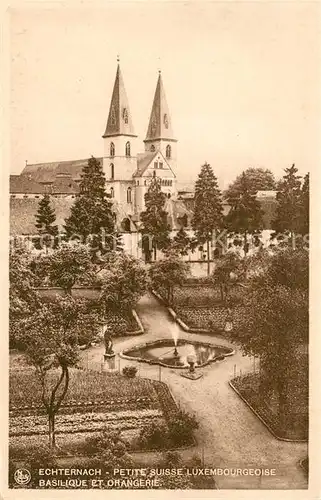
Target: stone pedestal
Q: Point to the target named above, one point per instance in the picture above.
(109, 362)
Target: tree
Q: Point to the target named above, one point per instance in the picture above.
(275, 324)
(155, 219)
(228, 271)
(64, 267)
(305, 206)
(287, 221)
(208, 211)
(259, 179)
(45, 218)
(92, 219)
(123, 281)
(23, 299)
(181, 242)
(167, 273)
(49, 337)
(245, 216)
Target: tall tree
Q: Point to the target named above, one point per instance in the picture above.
(245, 216)
(47, 230)
(92, 218)
(208, 211)
(287, 221)
(181, 242)
(275, 324)
(49, 337)
(259, 179)
(305, 206)
(155, 218)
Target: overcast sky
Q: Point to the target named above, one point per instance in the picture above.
(241, 80)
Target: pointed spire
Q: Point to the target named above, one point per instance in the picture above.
(119, 119)
(160, 126)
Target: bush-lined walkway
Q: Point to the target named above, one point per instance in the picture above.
(229, 433)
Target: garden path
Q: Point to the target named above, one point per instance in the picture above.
(229, 434)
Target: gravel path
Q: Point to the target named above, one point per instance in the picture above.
(229, 435)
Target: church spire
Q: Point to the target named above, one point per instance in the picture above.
(160, 126)
(119, 119)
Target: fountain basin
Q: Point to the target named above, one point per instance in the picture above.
(161, 352)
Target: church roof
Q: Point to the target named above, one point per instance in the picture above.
(48, 172)
(143, 162)
(160, 124)
(119, 119)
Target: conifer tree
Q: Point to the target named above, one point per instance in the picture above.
(289, 205)
(47, 230)
(245, 216)
(208, 211)
(155, 219)
(305, 205)
(181, 242)
(92, 218)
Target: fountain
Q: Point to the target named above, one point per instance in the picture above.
(180, 354)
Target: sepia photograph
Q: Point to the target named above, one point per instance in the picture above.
(159, 191)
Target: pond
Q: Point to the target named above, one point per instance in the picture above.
(163, 352)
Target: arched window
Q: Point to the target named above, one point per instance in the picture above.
(145, 182)
(112, 149)
(127, 149)
(112, 192)
(152, 148)
(168, 151)
(112, 171)
(137, 183)
(129, 195)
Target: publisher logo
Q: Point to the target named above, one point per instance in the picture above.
(22, 476)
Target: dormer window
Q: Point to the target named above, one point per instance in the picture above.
(125, 115)
(127, 149)
(166, 120)
(112, 149)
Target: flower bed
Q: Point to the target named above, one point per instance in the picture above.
(296, 428)
(84, 387)
(210, 318)
(83, 422)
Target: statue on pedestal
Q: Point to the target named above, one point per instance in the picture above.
(108, 343)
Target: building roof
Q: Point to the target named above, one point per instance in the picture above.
(23, 185)
(160, 124)
(48, 172)
(119, 119)
(143, 162)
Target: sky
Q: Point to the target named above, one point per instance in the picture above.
(242, 81)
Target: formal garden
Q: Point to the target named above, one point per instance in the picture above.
(72, 296)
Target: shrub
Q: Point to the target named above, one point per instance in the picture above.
(171, 460)
(129, 371)
(154, 435)
(181, 428)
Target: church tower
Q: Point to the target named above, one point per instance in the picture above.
(120, 140)
(160, 136)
